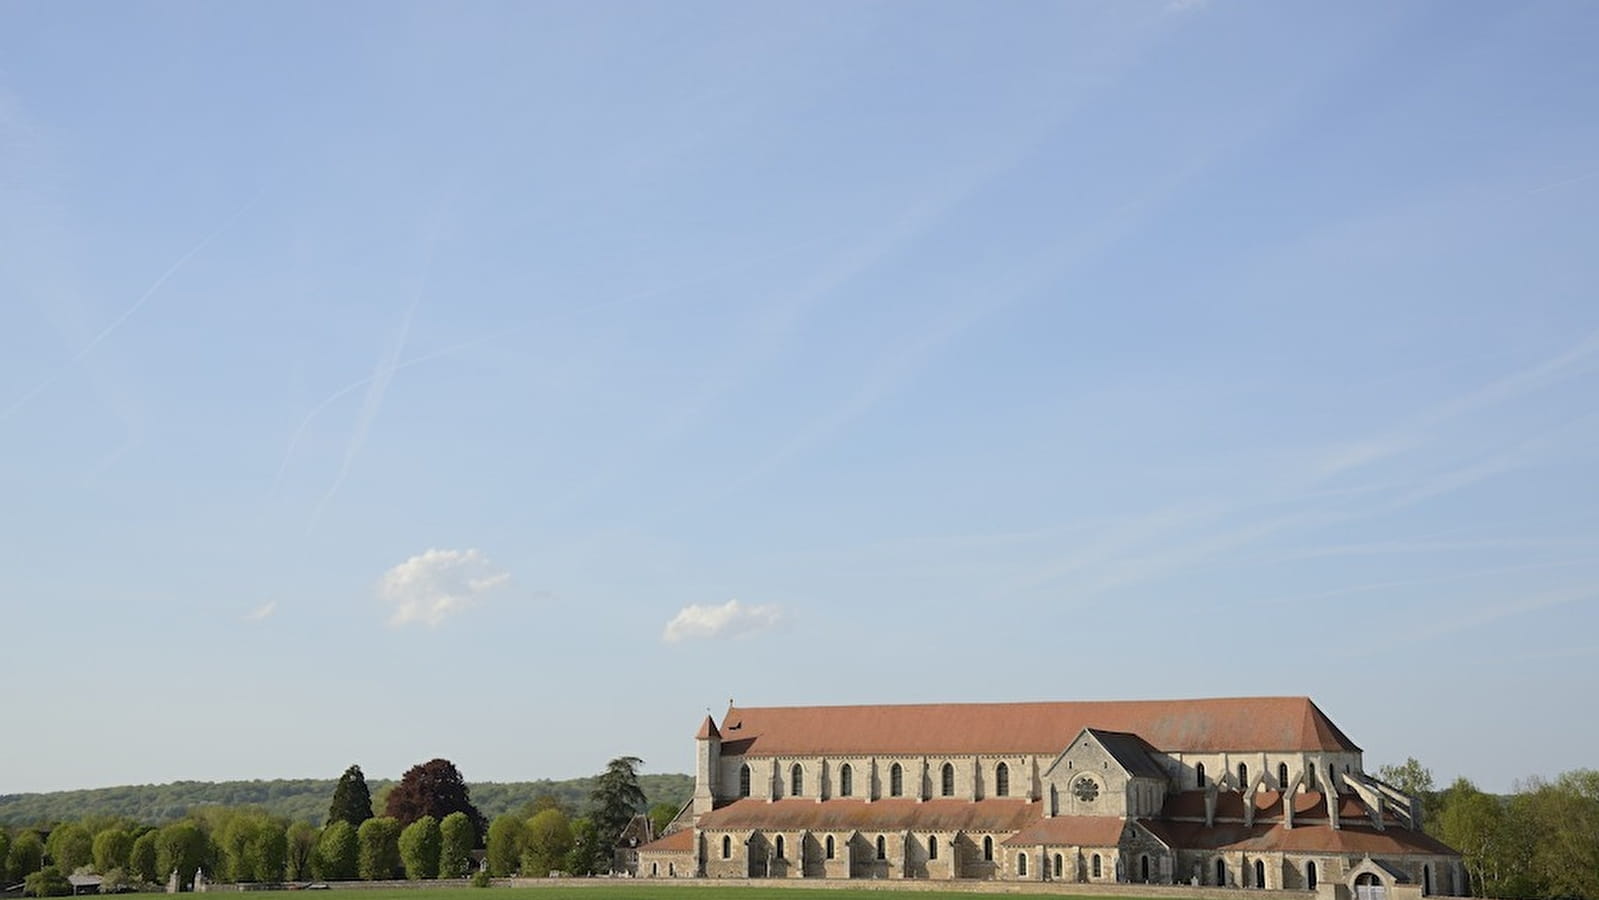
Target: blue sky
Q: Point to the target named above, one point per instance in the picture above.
(513, 383)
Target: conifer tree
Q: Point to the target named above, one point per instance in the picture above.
(352, 801)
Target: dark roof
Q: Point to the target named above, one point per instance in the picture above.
(638, 830)
(1203, 725)
(1130, 751)
(893, 814)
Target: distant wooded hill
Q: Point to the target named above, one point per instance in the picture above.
(304, 799)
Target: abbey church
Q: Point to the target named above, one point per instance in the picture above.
(1260, 793)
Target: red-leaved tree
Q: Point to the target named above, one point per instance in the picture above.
(434, 788)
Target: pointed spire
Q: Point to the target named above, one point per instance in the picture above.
(708, 731)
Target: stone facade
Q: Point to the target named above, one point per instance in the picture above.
(1261, 793)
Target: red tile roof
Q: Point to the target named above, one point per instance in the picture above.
(894, 814)
(1207, 725)
(1071, 831)
(1302, 838)
(707, 731)
(681, 841)
(1268, 805)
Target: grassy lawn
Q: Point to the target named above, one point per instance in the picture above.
(663, 890)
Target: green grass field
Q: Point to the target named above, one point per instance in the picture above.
(669, 890)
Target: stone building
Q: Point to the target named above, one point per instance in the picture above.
(1262, 793)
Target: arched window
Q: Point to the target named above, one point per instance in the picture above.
(932, 847)
(671, 870)
(744, 780)
(1243, 777)
(1060, 865)
(829, 846)
(1094, 869)
(988, 849)
(1426, 880)
(1143, 868)
(727, 847)
(1021, 864)
(655, 869)
(1221, 872)
(947, 788)
(896, 781)
(1002, 780)
(1260, 874)
(1282, 776)
(1199, 775)
(796, 779)
(1310, 776)
(1310, 875)
(882, 848)
(779, 846)
(846, 781)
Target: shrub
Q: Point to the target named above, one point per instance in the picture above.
(47, 882)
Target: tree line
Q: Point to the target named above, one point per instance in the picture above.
(298, 800)
(429, 829)
(1541, 842)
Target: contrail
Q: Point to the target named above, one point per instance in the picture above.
(299, 432)
(378, 385)
(127, 314)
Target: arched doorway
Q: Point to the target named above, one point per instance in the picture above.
(1426, 880)
(1369, 887)
(1221, 872)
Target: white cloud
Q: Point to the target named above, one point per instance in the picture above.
(261, 612)
(731, 619)
(432, 586)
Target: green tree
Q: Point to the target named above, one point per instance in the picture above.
(47, 882)
(547, 840)
(457, 837)
(1473, 823)
(70, 846)
(661, 815)
(232, 838)
(299, 845)
(111, 848)
(504, 852)
(434, 788)
(542, 802)
(116, 880)
(352, 801)
(589, 855)
(378, 855)
(26, 855)
(338, 851)
(1410, 776)
(5, 852)
(1559, 822)
(616, 798)
(1416, 780)
(266, 852)
(180, 847)
(420, 843)
(141, 858)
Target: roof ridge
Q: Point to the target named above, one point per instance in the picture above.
(1232, 699)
